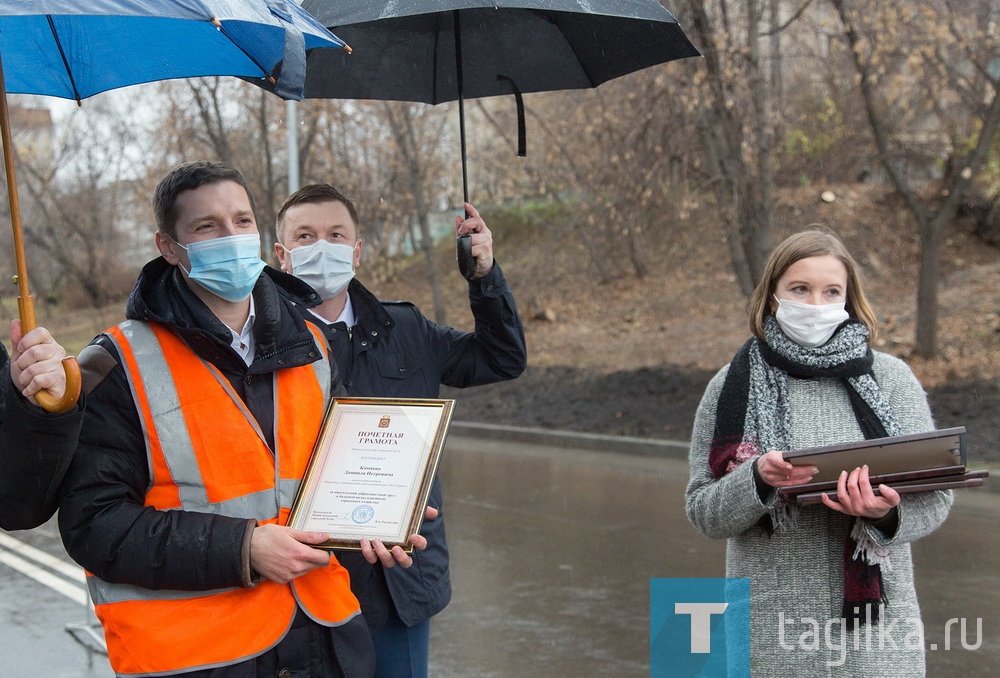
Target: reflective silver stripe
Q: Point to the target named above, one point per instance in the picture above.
(164, 404)
(322, 369)
(287, 489)
(104, 593)
(256, 505)
(178, 450)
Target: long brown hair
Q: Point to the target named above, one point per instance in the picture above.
(812, 243)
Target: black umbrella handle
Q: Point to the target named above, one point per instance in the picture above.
(466, 262)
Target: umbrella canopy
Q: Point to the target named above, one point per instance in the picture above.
(407, 51)
(435, 51)
(77, 48)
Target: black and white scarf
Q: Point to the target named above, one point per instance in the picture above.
(752, 417)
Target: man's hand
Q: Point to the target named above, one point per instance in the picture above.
(482, 239)
(281, 554)
(375, 551)
(36, 362)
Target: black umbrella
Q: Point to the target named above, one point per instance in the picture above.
(435, 51)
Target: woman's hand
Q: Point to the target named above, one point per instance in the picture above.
(855, 496)
(777, 472)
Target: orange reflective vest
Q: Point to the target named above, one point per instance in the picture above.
(191, 417)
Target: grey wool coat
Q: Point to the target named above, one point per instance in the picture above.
(796, 575)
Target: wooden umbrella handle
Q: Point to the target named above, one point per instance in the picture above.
(50, 403)
(47, 401)
(25, 302)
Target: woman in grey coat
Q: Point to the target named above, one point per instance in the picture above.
(832, 590)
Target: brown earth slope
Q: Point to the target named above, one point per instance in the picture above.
(610, 353)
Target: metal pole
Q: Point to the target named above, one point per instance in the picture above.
(292, 113)
(461, 102)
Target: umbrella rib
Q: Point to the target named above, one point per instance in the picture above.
(222, 29)
(62, 55)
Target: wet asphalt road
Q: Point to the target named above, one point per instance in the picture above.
(552, 552)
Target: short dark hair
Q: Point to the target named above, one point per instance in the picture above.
(314, 193)
(187, 177)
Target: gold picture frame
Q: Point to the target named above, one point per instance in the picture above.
(371, 470)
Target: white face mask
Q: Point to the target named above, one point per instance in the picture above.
(809, 325)
(325, 266)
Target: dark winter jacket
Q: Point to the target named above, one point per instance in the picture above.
(35, 451)
(104, 525)
(394, 351)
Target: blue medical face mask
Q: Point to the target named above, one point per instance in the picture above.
(227, 267)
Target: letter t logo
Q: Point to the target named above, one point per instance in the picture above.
(701, 623)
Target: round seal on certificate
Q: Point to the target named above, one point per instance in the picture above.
(363, 514)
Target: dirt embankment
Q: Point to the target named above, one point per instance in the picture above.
(631, 357)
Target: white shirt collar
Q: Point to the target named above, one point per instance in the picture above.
(243, 343)
(346, 316)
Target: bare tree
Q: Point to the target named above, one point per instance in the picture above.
(343, 143)
(737, 127)
(81, 208)
(941, 53)
(234, 122)
(616, 159)
(415, 131)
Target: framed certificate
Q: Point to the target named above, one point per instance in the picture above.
(371, 470)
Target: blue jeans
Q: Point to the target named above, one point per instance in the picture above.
(402, 651)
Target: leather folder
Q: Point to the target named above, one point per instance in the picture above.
(916, 462)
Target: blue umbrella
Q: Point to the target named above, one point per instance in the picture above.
(77, 48)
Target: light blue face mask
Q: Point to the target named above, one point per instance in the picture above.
(227, 267)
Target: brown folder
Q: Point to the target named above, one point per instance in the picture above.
(920, 455)
(970, 479)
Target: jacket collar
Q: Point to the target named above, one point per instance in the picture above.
(161, 295)
(371, 315)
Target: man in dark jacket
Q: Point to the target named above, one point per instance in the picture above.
(221, 317)
(389, 349)
(35, 446)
